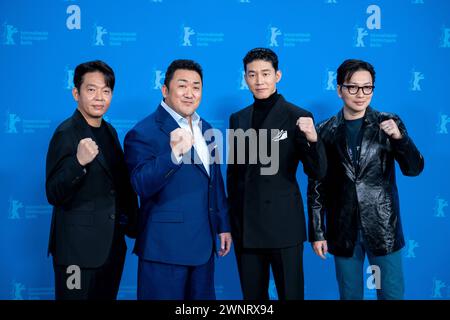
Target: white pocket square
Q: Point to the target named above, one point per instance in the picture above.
(280, 136)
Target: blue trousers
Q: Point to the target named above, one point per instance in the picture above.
(162, 281)
(350, 275)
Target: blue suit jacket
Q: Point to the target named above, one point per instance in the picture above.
(182, 209)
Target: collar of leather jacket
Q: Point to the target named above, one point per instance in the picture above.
(370, 117)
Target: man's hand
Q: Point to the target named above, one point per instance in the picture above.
(181, 141)
(87, 151)
(391, 129)
(320, 248)
(225, 243)
(306, 125)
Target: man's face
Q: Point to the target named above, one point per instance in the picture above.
(262, 78)
(357, 104)
(184, 93)
(94, 96)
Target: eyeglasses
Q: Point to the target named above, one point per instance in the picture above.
(353, 90)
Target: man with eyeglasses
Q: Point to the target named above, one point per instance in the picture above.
(354, 211)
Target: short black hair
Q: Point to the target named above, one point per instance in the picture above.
(93, 66)
(183, 64)
(350, 66)
(261, 54)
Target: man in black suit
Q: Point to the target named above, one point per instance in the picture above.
(88, 184)
(266, 207)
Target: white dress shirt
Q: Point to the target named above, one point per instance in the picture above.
(199, 141)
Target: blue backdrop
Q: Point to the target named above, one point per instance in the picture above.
(408, 42)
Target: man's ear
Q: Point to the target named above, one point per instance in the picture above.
(338, 90)
(164, 90)
(246, 77)
(278, 75)
(75, 93)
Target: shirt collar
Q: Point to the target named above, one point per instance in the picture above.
(178, 118)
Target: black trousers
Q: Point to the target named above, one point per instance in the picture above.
(287, 269)
(96, 283)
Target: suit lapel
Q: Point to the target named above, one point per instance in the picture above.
(245, 120)
(276, 116)
(342, 146)
(114, 136)
(197, 161)
(212, 146)
(165, 120)
(167, 125)
(245, 123)
(341, 137)
(369, 135)
(275, 119)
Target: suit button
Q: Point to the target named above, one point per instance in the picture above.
(112, 216)
(267, 202)
(112, 192)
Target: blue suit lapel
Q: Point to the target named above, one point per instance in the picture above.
(168, 124)
(211, 146)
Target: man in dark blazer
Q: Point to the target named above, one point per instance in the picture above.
(266, 207)
(172, 159)
(88, 184)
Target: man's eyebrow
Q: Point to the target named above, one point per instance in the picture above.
(355, 83)
(93, 85)
(184, 80)
(263, 70)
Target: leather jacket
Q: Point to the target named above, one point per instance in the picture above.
(364, 194)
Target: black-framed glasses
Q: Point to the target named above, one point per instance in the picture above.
(353, 90)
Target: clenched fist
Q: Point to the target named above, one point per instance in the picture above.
(181, 141)
(87, 151)
(306, 125)
(391, 129)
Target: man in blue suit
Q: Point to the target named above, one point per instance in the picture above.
(183, 207)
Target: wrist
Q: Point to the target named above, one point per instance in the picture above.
(81, 163)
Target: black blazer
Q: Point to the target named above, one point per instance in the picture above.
(266, 211)
(87, 207)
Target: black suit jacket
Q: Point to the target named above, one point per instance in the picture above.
(87, 206)
(266, 211)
